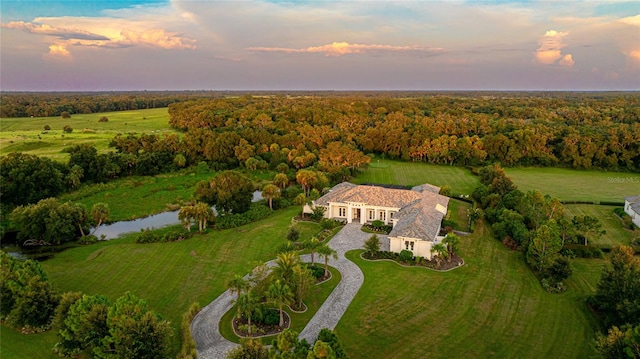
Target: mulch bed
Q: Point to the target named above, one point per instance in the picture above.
(262, 329)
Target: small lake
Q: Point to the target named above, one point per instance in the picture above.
(114, 230)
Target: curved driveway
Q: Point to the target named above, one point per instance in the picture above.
(204, 327)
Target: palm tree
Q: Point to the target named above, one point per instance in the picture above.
(452, 241)
(247, 304)
(237, 285)
(281, 180)
(202, 213)
(185, 216)
(301, 200)
(312, 245)
(326, 251)
(302, 281)
(270, 191)
(99, 212)
(285, 264)
(440, 251)
(280, 295)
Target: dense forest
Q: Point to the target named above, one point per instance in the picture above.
(568, 130)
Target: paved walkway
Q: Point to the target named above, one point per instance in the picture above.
(204, 327)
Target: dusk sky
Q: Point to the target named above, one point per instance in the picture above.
(319, 45)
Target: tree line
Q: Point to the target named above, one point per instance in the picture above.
(571, 130)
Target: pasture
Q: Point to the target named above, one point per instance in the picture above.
(492, 307)
(382, 171)
(28, 135)
(577, 185)
(616, 233)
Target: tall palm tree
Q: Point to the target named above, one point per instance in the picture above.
(247, 304)
(312, 245)
(99, 212)
(270, 191)
(185, 216)
(301, 200)
(238, 285)
(302, 281)
(281, 180)
(452, 241)
(325, 251)
(285, 263)
(280, 295)
(202, 213)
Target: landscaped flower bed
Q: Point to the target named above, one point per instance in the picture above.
(443, 265)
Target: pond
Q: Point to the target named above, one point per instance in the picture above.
(110, 231)
(114, 230)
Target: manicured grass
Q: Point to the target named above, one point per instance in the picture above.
(492, 307)
(381, 171)
(170, 276)
(576, 185)
(318, 295)
(14, 345)
(459, 214)
(616, 233)
(27, 134)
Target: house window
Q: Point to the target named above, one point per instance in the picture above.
(342, 212)
(391, 214)
(383, 215)
(372, 215)
(408, 245)
(412, 246)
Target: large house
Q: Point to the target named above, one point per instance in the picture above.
(632, 208)
(416, 215)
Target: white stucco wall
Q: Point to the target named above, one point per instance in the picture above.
(635, 217)
(420, 248)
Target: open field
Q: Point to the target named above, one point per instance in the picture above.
(616, 233)
(492, 307)
(27, 134)
(576, 185)
(170, 276)
(381, 171)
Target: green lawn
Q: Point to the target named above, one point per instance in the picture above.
(27, 134)
(616, 233)
(136, 197)
(577, 185)
(458, 211)
(492, 307)
(14, 345)
(170, 276)
(381, 171)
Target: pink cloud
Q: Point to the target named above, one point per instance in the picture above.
(344, 48)
(550, 49)
(44, 29)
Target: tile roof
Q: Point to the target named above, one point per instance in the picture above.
(419, 214)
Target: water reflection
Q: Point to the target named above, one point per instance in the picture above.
(113, 230)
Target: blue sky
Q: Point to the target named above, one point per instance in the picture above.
(320, 45)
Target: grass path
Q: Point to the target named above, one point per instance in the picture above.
(492, 307)
(380, 171)
(576, 185)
